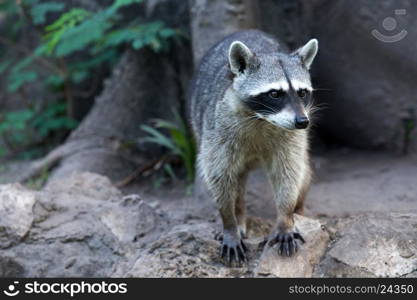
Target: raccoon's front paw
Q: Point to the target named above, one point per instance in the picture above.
(287, 242)
(233, 249)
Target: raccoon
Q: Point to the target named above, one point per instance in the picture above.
(250, 106)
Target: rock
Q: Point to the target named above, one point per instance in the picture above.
(16, 216)
(190, 250)
(86, 185)
(186, 251)
(10, 268)
(132, 220)
(77, 227)
(84, 227)
(373, 245)
(303, 262)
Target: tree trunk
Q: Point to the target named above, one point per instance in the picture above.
(144, 85)
(213, 20)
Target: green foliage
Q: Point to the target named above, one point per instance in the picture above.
(40, 10)
(75, 43)
(14, 125)
(52, 119)
(55, 33)
(179, 142)
(78, 29)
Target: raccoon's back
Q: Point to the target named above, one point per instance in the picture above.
(213, 76)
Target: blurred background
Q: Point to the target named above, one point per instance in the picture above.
(101, 86)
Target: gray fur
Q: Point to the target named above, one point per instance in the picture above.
(233, 140)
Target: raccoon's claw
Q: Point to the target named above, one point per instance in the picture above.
(233, 250)
(287, 242)
(235, 253)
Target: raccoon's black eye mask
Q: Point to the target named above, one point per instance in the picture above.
(274, 101)
(270, 102)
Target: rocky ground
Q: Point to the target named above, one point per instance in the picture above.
(361, 221)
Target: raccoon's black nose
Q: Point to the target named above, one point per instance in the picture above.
(301, 122)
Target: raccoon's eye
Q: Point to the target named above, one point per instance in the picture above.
(276, 94)
(302, 93)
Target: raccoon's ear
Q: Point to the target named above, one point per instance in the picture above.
(308, 52)
(240, 57)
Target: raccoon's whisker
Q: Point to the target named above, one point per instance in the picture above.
(252, 118)
(314, 108)
(267, 106)
(321, 89)
(315, 103)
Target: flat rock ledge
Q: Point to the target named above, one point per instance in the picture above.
(83, 226)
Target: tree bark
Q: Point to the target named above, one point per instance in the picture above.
(213, 20)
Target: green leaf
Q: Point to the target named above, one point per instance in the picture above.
(137, 44)
(120, 3)
(9, 7)
(30, 2)
(5, 65)
(179, 142)
(53, 118)
(78, 37)
(74, 15)
(54, 80)
(3, 151)
(39, 11)
(168, 32)
(22, 64)
(55, 32)
(158, 138)
(117, 37)
(170, 171)
(16, 120)
(79, 76)
(19, 79)
(107, 56)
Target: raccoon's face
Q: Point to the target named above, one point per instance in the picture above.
(276, 87)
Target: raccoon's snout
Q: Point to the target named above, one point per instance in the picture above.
(301, 122)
